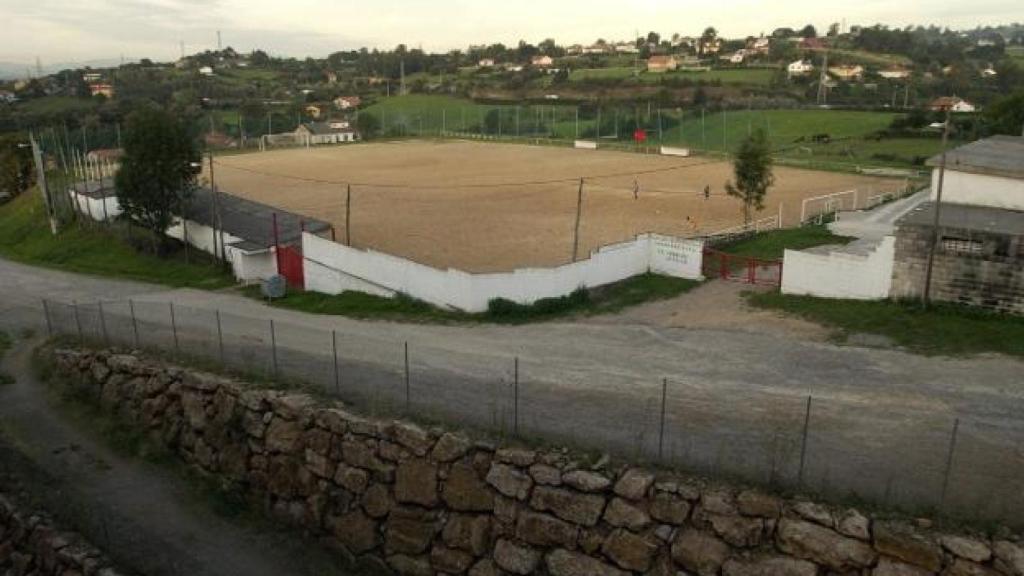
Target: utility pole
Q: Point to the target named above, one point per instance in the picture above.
(576, 233)
(218, 230)
(44, 189)
(926, 300)
(348, 215)
(822, 89)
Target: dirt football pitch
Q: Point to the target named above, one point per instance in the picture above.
(484, 207)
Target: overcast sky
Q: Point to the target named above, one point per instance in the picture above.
(80, 30)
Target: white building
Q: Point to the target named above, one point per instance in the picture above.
(334, 132)
(987, 173)
(206, 71)
(894, 73)
(486, 63)
(799, 68)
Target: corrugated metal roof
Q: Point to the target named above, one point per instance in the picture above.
(996, 156)
(251, 221)
(966, 217)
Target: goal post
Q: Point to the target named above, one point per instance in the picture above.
(826, 204)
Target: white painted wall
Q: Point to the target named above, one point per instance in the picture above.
(248, 267)
(333, 268)
(840, 274)
(980, 189)
(585, 144)
(93, 207)
(670, 151)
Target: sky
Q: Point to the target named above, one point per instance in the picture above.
(70, 31)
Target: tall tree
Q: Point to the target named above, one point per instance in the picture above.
(157, 173)
(752, 170)
(1006, 116)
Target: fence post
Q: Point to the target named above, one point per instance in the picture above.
(803, 442)
(103, 324)
(49, 323)
(334, 349)
(78, 322)
(135, 325)
(661, 430)
(174, 327)
(273, 346)
(220, 337)
(949, 462)
(515, 398)
(408, 395)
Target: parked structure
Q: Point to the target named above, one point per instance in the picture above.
(979, 259)
(333, 132)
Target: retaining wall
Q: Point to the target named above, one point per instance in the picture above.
(393, 497)
(333, 268)
(840, 274)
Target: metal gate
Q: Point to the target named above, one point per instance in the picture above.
(744, 269)
(289, 265)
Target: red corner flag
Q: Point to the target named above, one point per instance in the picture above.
(640, 135)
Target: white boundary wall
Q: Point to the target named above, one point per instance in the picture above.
(669, 151)
(93, 207)
(979, 189)
(585, 144)
(840, 274)
(333, 268)
(248, 267)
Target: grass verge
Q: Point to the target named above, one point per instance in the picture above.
(771, 245)
(940, 330)
(602, 300)
(25, 237)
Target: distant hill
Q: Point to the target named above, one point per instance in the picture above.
(14, 70)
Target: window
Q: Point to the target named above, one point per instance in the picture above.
(961, 246)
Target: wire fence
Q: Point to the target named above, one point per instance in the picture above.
(919, 460)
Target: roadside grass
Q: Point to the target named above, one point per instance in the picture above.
(602, 300)
(95, 249)
(944, 329)
(771, 245)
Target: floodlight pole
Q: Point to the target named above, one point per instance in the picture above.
(926, 297)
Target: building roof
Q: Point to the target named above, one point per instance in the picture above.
(251, 221)
(967, 217)
(95, 188)
(995, 156)
(323, 128)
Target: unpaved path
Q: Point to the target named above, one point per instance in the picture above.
(145, 517)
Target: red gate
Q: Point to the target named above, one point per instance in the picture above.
(289, 265)
(741, 268)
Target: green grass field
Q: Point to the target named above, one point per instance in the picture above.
(25, 237)
(943, 329)
(771, 245)
(749, 76)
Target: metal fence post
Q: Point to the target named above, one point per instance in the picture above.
(174, 327)
(273, 346)
(803, 443)
(78, 322)
(103, 324)
(220, 337)
(515, 399)
(49, 323)
(408, 393)
(135, 325)
(661, 431)
(334, 349)
(949, 462)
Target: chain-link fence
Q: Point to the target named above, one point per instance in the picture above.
(923, 460)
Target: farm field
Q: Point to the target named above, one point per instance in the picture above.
(485, 207)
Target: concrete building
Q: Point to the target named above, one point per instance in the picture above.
(979, 259)
(334, 132)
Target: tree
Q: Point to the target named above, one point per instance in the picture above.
(368, 126)
(157, 172)
(753, 172)
(16, 167)
(1006, 116)
(808, 31)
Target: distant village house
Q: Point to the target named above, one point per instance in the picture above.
(347, 102)
(951, 103)
(334, 132)
(662, 64)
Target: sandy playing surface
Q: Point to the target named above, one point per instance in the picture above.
(485, 207)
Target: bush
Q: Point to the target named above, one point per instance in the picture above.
(503, 309)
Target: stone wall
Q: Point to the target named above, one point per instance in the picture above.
(30, 543)
(414, 501)
(993, 279)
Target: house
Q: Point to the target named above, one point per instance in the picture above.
(347, 102)
(7, 97)
(662, 63)
(951, 103)
(333, 132)
(710, 46)
(514, 67)
(104, 89)
(847, 73)
(989, 72)
(206, 71)
(895, 73)
(92, 77)
(543, 61)
(486, 63)
(575, 49)
(313, 111)
(760, 45)
(596, 49)
(735, 58)
(799, 68)
(332, 77)
(979, 259)
(626, 48)
(813, 44)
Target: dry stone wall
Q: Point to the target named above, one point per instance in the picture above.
(417, 501)
(30, 543)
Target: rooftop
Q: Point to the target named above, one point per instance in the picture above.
(251, 221)
(966, 217)
(995, 156)
(326, 128)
